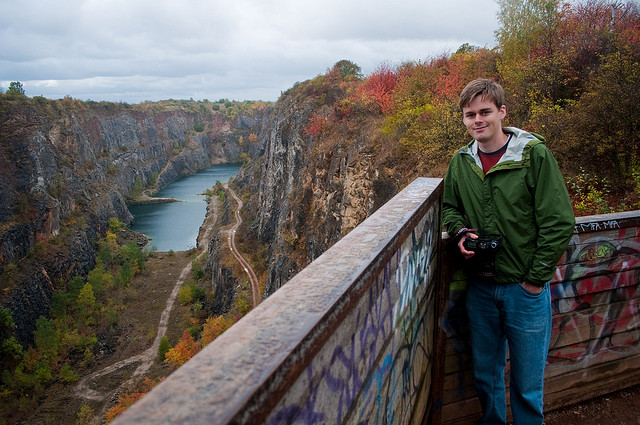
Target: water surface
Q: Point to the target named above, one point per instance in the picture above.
(175, 225)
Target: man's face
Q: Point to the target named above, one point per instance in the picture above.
(483, 120)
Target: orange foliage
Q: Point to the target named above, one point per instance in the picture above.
(213, 328)
(186, 348)
(127, 399)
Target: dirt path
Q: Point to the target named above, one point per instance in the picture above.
(231, 240)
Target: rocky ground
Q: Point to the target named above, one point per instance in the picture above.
(619, 408)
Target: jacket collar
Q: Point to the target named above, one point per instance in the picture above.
(517, 153)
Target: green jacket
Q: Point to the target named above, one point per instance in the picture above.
(523, 198)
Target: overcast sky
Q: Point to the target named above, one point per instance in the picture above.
(136, 50)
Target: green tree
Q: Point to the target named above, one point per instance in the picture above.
(526, 26)
(115, 225)
(528, 29)
(163, 347)
(85, 415)
(67, 374)
(86, 300)
(132, 254)
(125, 275)
(348, 70)
(6, 322)
(11, 350)
(15, 88)
(46, 340)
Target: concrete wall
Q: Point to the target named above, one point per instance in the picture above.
(348, 340)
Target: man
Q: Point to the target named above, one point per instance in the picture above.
(506, 206)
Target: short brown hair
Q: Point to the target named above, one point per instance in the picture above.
(487, 89)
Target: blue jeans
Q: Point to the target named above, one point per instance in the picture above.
(501, 314)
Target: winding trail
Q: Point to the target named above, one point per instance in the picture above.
(231, 240)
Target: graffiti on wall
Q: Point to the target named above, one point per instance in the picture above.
(595, 297)
(595, 300)
(373, 367)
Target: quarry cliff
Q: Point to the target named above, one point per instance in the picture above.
(67, 167)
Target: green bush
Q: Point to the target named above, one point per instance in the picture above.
(11, 349)
(196, 270)
(189, 293)
(163, 347)
(125, 275)
(67, 374)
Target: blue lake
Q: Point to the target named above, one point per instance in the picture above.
(175, 225)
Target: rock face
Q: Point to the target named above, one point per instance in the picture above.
(309, 191)
(222, 279)
(66, 168)
(223, 282)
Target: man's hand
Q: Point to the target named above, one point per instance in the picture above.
(466, 254)
(531, 288)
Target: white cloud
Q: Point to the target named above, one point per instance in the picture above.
(135, 50)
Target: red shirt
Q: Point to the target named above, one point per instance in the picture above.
(489, 159)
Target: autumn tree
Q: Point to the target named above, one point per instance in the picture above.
(611, 96)
(126, 400)
(186, 348)
(378, 87)
(426, 116)
(213, 328)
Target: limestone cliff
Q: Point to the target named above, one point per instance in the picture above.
(309, 191)
(66, 168)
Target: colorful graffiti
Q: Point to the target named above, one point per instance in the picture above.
(373, 368)
(595, 297)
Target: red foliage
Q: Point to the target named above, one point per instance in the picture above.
(449, 83)
(379, 87)
(317, 124)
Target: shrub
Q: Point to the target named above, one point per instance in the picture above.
(196, 270)
(67, 375)
(163, 347)
(85, 415)
(189, 293)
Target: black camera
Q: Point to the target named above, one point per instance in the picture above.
(486, 247)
